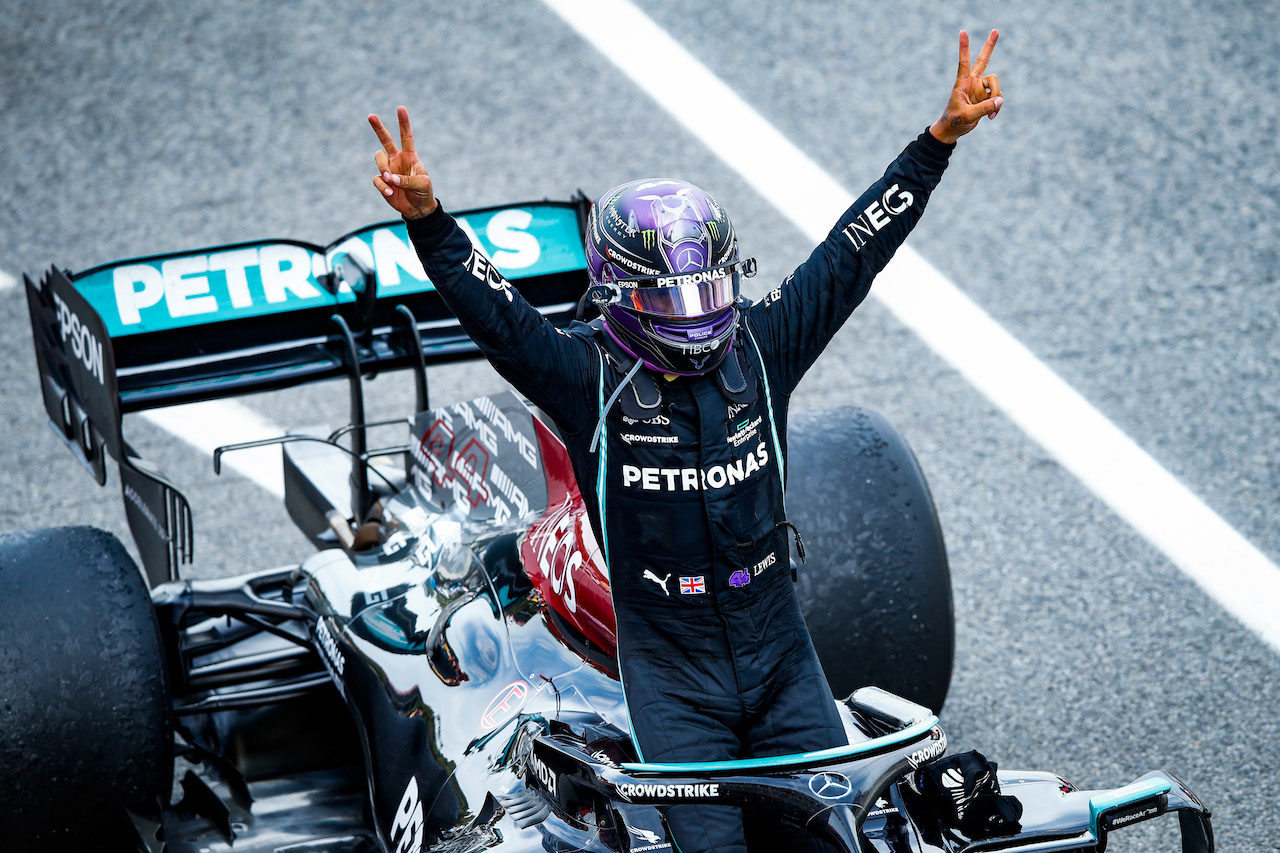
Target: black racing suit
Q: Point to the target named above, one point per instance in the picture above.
(714, 657)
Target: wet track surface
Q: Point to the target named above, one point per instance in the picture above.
(1119, 218)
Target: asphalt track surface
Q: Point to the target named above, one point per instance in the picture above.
(1120, 218)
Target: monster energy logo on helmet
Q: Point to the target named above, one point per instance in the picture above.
(650, 237)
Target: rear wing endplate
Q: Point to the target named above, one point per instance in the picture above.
(232, 320)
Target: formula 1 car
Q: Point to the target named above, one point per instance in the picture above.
(440, 674)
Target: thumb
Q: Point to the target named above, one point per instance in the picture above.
(413, 183)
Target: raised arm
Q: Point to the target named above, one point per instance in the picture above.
(799, 319)
(557, 371)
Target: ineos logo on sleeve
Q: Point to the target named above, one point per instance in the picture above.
(830, 786)
(483, 269)
(877, 215)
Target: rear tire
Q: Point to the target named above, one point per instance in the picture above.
(876, 590)
(85, 707)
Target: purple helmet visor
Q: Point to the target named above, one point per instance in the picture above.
(686, 295)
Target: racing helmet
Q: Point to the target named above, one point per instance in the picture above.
(662, 256)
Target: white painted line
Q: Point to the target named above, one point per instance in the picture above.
(1222, 562)
(217, 422)
(7, 282)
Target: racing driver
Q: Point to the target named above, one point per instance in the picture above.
(673, 407)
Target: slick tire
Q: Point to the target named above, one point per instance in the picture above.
(876, 590)
(84, 704)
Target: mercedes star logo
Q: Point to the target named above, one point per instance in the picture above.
(689, 259)
(830, 786)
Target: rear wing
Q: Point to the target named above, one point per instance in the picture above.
(232, 320)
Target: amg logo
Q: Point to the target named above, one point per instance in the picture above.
(877, 216)
(500, 420)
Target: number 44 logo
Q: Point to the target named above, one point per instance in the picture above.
(406, 829)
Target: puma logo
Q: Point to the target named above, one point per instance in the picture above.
(662, 582)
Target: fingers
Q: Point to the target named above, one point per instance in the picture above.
(991, 84)
(383, 136)
(980, 67)
(971, 113)
(406, 132)
(383, 161)
(387, 183)
(964, 56)
(412, 183)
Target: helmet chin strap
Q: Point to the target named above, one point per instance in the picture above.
(604, 411)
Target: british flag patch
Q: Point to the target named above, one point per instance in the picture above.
(696, 585)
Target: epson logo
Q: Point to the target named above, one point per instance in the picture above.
(85, 346)
(877, 215)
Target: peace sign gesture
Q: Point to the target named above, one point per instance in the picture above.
(402, 179)
(975, 94)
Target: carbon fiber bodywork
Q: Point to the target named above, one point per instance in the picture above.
(440, 675)
(476, 719)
